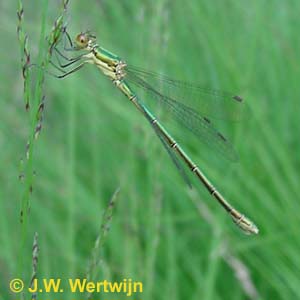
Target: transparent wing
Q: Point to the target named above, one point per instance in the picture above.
(188, 117)
(174, 158)
(213, 103)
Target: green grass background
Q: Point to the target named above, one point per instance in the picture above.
(179, 243)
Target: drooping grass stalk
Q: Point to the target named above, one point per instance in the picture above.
(34, 100)
(100, 240)
(25, 55)
(240, 269)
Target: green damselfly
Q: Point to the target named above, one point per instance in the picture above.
(166, 91)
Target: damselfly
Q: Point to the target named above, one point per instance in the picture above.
(166, 91)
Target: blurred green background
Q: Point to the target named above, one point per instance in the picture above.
(178, 242)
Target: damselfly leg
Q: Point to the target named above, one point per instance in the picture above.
(70, 61)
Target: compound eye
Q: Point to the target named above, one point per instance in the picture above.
(82, 40)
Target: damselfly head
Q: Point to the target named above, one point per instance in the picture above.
(84, 39)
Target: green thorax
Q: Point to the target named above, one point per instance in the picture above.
(106, 55)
